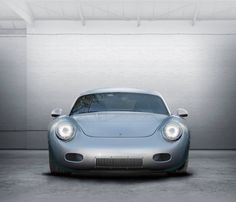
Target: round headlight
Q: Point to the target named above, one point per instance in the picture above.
(172, 131)
(65, 131)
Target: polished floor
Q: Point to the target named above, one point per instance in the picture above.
(24, 176)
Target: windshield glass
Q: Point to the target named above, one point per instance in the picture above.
(134, 102)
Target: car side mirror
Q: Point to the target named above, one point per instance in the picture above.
(56, 112)
(182, 112)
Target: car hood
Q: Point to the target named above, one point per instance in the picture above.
(119, 124)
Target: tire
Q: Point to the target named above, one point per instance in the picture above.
(55, 169)
(184, 168)
(181, 171)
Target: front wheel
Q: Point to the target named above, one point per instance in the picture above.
(55, 169)
(184, 168)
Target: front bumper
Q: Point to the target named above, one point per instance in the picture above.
(143, 148)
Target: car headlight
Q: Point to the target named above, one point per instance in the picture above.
(172, 131)
(65, 131)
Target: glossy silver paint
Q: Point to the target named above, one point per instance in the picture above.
(120, 135)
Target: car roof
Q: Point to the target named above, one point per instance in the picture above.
(120, 90)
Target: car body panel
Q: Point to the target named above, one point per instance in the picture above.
(119, 124)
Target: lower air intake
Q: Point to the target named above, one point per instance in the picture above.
(119, 163)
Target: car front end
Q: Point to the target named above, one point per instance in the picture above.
(74, 150)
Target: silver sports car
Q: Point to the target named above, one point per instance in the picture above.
(118, 130)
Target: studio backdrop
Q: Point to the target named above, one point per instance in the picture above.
(40, 72)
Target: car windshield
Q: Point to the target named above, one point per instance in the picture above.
(134, 102)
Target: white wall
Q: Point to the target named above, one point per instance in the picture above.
(192, 71)
(12, 91)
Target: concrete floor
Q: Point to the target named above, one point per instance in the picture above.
(24, 176)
